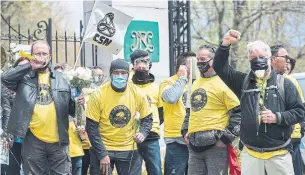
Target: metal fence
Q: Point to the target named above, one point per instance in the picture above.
(64, 45)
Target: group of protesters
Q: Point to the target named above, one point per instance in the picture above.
(202, 116)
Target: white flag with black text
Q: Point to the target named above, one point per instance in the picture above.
(107, 27)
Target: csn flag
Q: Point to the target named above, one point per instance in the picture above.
(107, 27)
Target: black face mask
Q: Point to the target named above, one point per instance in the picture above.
(203, 66)
(141, 75)
(259, 64)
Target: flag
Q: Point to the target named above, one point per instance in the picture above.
(107, 27)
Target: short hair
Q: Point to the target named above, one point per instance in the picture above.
(96, 67)
(292, 62)
(261, 46)
(181, 60)
(40, 41)
(137, 54)
(210, 48)
(275, 49)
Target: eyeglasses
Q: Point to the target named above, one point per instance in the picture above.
(41, 54)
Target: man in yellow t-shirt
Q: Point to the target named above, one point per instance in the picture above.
(149, 149)
(267, 117)
(214, 119)
(111, 124)
(40, 112)
(280, 63)
(173, 93)
(75, 148)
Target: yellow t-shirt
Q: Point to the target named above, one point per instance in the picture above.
(264, 155)
(131, 73)
(75, 146)
(152, 92)
(115, 113)
(296, 134)
(44, 121)
(211, 101)
(174, 114)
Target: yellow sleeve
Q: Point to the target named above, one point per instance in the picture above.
(159, 103)
(93, 109)
(144, 107)
(230, 99)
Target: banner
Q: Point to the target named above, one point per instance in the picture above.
(107, 27)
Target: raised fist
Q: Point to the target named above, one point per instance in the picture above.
(232, 37)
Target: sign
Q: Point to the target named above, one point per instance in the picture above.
(106, 27)
(143, 35)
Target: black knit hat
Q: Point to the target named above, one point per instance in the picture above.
(137, 54)
(119, 64)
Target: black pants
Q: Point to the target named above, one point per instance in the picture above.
(41, 158)
(86, 161)
(15, 161)
(125, 162)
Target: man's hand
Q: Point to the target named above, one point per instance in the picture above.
(232, 37)
(186, 138)
(139, 137)
(105, 165)
(182, 71)
(219, 143)
(81, 99)
(268, 117)
(38, 63)
(22, 61)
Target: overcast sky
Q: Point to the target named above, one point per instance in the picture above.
(75, 13)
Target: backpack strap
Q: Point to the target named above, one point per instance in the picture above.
(280, 86)
(245, 86)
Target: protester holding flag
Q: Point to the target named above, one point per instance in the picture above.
(111, 123)
(214, 119)
(280, 65)
(149, 149)
(173, 93)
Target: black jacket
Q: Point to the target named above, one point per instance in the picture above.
(24, 82)
(289, 112)
(5, 105)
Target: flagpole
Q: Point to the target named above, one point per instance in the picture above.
(82, 42)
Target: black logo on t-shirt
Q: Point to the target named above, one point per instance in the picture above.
(44, 96)
(184, 98)
(198, 99)
(119, 116)
(149, 100)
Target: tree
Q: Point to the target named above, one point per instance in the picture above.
(270, 21)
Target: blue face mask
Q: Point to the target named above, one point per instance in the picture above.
(119, 81)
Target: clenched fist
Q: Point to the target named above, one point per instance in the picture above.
(232, 37)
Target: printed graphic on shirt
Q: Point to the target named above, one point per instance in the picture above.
(149, 100)
(184, 98)
(119, 116)
(198, 99)
(44, 96)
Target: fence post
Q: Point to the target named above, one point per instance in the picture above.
(49, 34)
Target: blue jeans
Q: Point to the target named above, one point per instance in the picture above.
(76, 165)
(150, 152)
(125, 162)
(176, 159)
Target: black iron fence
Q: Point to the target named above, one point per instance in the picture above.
(64, 46)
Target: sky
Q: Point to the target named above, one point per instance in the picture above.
(75, 13)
